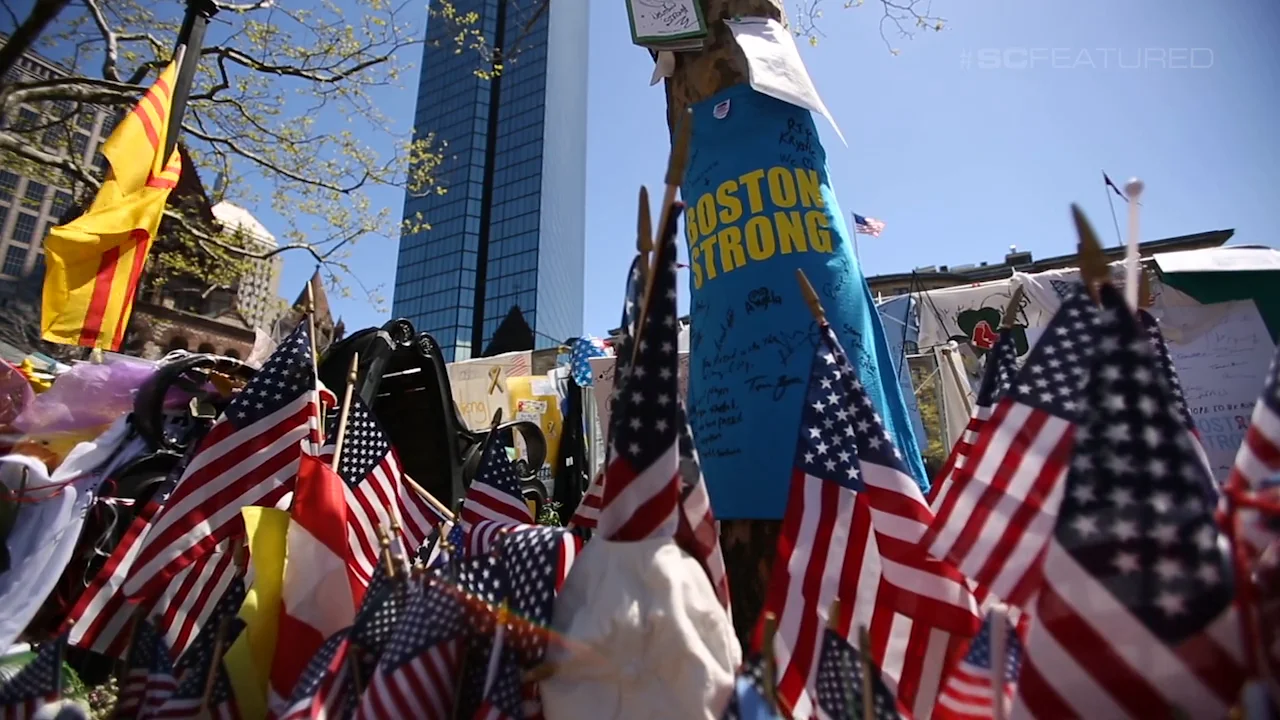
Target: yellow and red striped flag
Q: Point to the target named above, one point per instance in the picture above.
(94, 262)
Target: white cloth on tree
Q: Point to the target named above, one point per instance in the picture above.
(643, 636)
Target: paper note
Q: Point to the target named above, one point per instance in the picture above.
(1221, 372)
(775, 66)
(665, 20)
(602, 369)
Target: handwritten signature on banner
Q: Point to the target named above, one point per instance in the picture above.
(718, 246)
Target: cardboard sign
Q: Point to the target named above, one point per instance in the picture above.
(602, 369)
(480, 386)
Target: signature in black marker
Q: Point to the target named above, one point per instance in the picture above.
(760, 383)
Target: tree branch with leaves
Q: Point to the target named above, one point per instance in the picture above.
(286, 107)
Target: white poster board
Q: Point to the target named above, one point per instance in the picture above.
(480, 386)
(602, 369)
(1222, 369)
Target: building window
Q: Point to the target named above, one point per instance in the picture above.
(34, 197)
(25, 228)
(177, 342)
(79, 143)
(61, 203)
(37, 269)
(207, 348)
(8, 183)
(27, 119)
(233, 353)
(14, 258)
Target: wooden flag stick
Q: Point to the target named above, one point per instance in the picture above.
(644, 227)
(214, 661)
(440, 508)
(999, 656)
(310, 311)
(352, 374)
(811, 298)
(868, 688)
(1093, 263)
(1011, 310)
(770, 666)
(833, 624)
(385, 543)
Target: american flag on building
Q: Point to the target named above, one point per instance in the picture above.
(997, 375)
(642, 485)
(37, 684)
(249, 457)
(867, 225)
(851, 528)
(994, 518)
(968, 692)
(1135, 615)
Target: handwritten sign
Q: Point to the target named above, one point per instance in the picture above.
(602, 368)
(474, 388)
(534, 399)
(1221, 370)
(665, 20)
(760, 205)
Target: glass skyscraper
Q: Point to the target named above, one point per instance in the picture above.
(509, 229)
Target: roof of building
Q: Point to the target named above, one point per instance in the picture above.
(233, 216)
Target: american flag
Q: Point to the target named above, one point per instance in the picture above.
(853, 521)
(994, 519)
(642, 487)
(1257, 463)
(697, 533)
(867, 225)
(587, 515)
(204, 660)
(249, 457)
(38, 683)
(319, 692)
(533, 562)
(997, 375)
(1170, 373)
(374, 481)
(968, 692)
(149, 679)
(417, 673)
(102, 615)
(840, 684)
(503, 699)
(1134, 617)
(495, 496)
(749, 699)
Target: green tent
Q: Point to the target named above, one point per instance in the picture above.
(1215, 275)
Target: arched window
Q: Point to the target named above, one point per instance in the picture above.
(177, 342)
(233, 353)
(207, 348)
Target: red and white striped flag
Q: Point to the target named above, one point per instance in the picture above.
(994, 518)
(969, 689)
(642, 475)
(321, 588)
(850, 532)
(697, 533)
(1135, 615)
(587, 515)
(1258, 463)
(249, 458)
(493, 500)
(149, 680)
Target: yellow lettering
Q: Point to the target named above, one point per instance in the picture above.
(706, 215)
(694, 252)
(707, 246)
(731, 253)
(691, 222)
(790, 232)
(752, 181)
(760, 243)
(782, 188)
(730, 205)
(816, 224)
(810, 188)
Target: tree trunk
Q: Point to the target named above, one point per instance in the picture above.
(748, 545)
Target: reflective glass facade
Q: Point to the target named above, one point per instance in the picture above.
(509, 230)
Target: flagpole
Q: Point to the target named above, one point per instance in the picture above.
(1106, 190)
(187, 52)
(1132, 190)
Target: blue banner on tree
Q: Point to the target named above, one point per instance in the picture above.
(760, 206)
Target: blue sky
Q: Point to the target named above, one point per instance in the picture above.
(960, 162)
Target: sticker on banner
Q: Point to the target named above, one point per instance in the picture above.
(721, 110)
